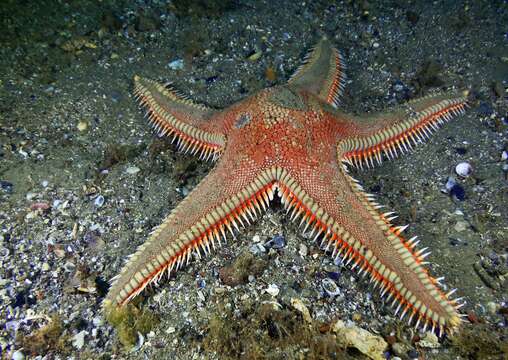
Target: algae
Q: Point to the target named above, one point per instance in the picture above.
(51, 338)
(270, 331)
(129, 320)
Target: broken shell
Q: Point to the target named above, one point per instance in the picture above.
(464, 169)
(277, 242)
(273, 290)
(99, 201)
(330, 287)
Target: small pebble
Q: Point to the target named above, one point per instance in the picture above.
(79, 339)
(18, 355)
(330, 287)
(170, 330)
(492, 307)
(412, 354)
(257, 249)
(273, 290)
(6, 186)
(82, 125)
(464, 169)
(131, 170)
(303, 251)
(255, 56)
(176, 64)
(99, 201)
(430, 341)
(460, 226)
(277, 242)
(504, 155)
(45, 267)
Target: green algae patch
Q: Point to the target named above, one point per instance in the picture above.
(130, 320)
(270, 331)
(50, 338)
(481, 341)
(238, 272)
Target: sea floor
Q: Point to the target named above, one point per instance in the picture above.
(84, 179)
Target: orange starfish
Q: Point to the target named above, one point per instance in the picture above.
(292, 140)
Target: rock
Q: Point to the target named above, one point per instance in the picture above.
(176, 64)
(367, 343)
(460, 226)
(273, 290)
(303, 251)
(400, 349)
(131, 170)
(82, 126)
(78, 340)
(45, 267)
(464, 169)
(18, 355)
(429, 341)
(330, 287)
(300, 307)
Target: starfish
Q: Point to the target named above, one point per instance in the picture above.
(292, 141)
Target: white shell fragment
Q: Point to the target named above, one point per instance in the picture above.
(464, 169)
(273, 290)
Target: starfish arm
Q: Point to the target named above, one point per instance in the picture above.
(369, 137)
(334, 204)
(322, 73)
(224, 200)
(173, 115)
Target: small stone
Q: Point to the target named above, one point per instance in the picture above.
(460, 226)
(504, 155)
(492, 307)
(255, 56)
(176, 64)
(131, 170)
(369, 344)
(18, 355)
(429, 341)
(273, 290)
(464, 169)
(45, 267)
(82, 125)
(330, 287)
(6, 186)
(99, 201)
(303, 250)
(412, 354)
(59, 252)
(219, 290)
(170, 330)
(300, 307)
(256, 238)
(277, 242)
(400, 349)
(78, 341)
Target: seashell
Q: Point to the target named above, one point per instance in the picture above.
(99, 201)
(464, 169)
(277, 242)
(330, 287)
(273, 290)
